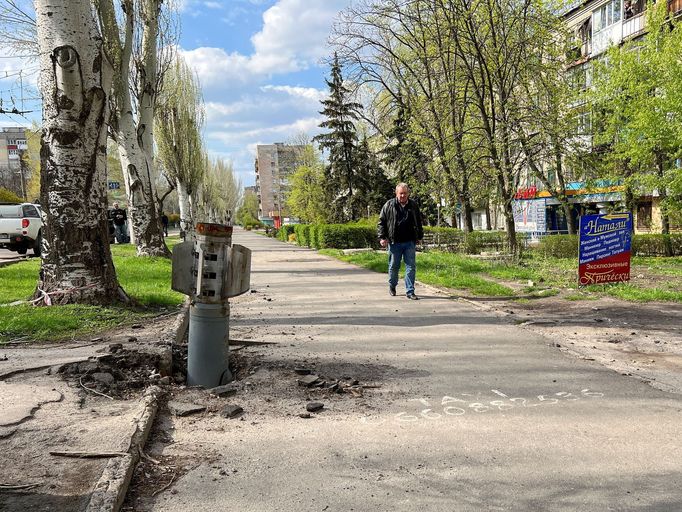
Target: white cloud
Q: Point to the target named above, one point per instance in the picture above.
(244, 107)
(307, 93)
(297, 30)
(214, 5)
(293, 38)
(215, 66)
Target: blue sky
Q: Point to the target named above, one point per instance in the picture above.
(262, 65)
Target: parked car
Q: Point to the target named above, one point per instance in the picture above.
(20, 227)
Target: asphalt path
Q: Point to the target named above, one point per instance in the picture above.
(7, 257)
(473, 413)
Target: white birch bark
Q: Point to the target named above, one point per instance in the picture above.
(131, 128)
(185, 205)
(145, 219)
(74, 80)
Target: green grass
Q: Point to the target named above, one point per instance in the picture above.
(434, 268)
(549, 275)
(18, 281)
(632, 293)
(661, 266)
(146, 280)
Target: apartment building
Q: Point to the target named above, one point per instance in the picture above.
(595, 25)
(275, 163)
(12, 174)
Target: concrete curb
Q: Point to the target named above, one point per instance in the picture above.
(181, 323)
(111, 489)
(7, 263)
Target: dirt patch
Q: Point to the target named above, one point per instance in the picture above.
(642, 340)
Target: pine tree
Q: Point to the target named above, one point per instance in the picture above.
(341, 175)
(373, 188)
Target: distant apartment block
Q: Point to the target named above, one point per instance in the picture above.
(275, 163)
(12, 144)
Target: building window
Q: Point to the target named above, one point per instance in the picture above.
(606, 15)
(644, 215)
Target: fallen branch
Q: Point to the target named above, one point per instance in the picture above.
(10, 487)
(93, 390)
(158, 491)
(88, 455)
(147, 457)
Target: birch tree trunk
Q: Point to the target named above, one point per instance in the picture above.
(185, 205)
(74, 76)
(142, 207)
(133, 132)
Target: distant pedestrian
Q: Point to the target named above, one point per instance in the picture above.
(164, 223)
(399, 229)
(120, 218)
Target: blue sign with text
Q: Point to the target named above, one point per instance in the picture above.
(605, 248)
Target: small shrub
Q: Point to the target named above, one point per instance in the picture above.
(314, 236)
(477, 242)
(344, 236)
(451, 239)
(284, 232)
(559, 246)
(657, 245)
(7, 196)
(302, 232)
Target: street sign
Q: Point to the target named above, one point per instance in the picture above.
(605, 248)
(114, 185)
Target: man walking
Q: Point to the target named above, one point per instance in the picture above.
(119, 217)
(400, 228)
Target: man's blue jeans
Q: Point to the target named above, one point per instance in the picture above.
(408, 252)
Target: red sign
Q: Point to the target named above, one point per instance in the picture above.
(613, 269)
(527, 193)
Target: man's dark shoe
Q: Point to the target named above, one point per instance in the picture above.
(412, 296)
(391, 290)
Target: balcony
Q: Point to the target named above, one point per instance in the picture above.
(635, 26)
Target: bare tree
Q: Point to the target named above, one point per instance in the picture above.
(133, 45)
(75, 77)
(403, 50)
(18, 28)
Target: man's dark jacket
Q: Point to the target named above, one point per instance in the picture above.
(386, 228)
(119, 216)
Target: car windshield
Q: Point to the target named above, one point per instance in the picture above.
(11, 211)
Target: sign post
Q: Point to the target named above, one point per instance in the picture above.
(605, 248)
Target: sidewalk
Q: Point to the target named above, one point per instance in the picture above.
(64, 448)
(447, 407)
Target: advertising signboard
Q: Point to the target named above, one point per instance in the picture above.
(604, 248)
(530, 215)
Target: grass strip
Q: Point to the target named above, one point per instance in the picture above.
(477, 276)
(438, 269)
(145, 279)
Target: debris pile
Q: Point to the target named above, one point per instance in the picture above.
(347, 385)
(119, 374)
